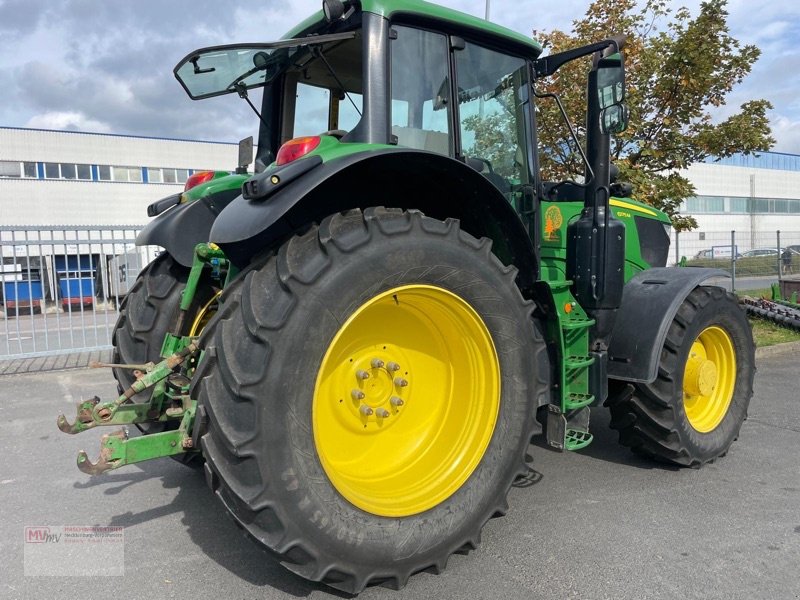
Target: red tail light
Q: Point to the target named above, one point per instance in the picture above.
(294, 149)
(198, 178)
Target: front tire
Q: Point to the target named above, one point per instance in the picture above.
(691, 414)
(316, 460)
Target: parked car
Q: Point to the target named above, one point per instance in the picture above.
(761, 252)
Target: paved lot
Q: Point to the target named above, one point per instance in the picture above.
(598, 524)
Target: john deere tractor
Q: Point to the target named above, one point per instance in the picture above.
(358, 341)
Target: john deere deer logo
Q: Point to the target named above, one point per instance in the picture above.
(552, 223)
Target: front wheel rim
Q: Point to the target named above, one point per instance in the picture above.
(406, 400)
(709, 379)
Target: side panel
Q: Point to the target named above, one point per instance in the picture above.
(650, 301)
(641, 253)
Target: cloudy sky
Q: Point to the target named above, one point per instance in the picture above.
(106, 65)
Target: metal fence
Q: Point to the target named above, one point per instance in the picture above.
(60, 288)
(754, 259)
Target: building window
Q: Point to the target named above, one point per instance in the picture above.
(175, 175)
(51, 171)
(84, 171)
(9, 168)
(133, 174)
(29, 170)
(68, 171)
(154, 175)
(104, 172)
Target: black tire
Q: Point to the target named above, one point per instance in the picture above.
(651, 418)
(147, 313)
(257, 379)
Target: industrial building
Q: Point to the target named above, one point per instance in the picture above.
(71, 204)
(53, 178)
(747, 198)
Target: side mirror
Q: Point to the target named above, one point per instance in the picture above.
(245, 154)
(611, 94)
(610, 80)
(614, 119)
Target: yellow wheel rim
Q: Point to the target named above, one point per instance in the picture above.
(709, 379)
(406, 400)
(204, 315)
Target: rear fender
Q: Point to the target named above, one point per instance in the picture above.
(188, 223)
(439, 186)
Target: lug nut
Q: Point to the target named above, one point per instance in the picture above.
(392, 366)
(400, 382)
(395, 401)
(362, 374)
(365, 410)
(376, 363)
(357, 395)
(382, 413)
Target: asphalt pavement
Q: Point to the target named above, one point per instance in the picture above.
(596, 524)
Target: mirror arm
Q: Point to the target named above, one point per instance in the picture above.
(572, 134)
(551, 63)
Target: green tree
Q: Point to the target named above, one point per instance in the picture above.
(679, 69)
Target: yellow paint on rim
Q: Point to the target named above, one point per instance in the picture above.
(406, 400)
(709, 379)
(636, 207)
(204, 315)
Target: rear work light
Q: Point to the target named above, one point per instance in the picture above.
(198, 178)
(294, 149)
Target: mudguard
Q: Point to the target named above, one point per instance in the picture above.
(650, 300)
(439, 186)
(181, 228)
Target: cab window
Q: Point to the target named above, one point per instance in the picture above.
(492, 101)
(420, 90)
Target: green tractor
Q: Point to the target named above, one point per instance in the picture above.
(358, 342)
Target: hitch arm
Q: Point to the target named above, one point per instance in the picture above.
(117, 450)
(92, 413)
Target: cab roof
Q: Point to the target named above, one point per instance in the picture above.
(420, 9)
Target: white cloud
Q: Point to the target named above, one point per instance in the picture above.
(107, 66)
(787, 133)
(67, 120)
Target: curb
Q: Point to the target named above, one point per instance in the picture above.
(785, 348)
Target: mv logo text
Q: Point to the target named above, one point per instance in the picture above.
(41, 535)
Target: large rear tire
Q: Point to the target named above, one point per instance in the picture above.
(692, 413)
(371, 391)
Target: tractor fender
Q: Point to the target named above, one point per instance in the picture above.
(179, 229)
(439, 186)
(650, 300)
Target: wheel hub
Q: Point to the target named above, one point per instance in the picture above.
(379, 389)
(709, 379)
(701, 376)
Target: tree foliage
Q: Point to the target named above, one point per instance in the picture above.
(679, 71)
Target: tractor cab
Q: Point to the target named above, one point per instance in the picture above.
(433, 87)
